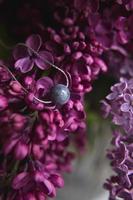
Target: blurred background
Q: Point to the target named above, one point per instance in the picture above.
(90, 171)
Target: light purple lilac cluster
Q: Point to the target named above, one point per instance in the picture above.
(121, 184)
(127, 3)
(119, 106)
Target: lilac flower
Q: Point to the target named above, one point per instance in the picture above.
(53, 154)
(15, 89)
(39, 179)
(71, 42)
(4, 76)
(101, 28)
(81, 4)
(82, 77)
(3, 103)
(50, 126)
(120, 63)
(40, 89)
(128, 105)
(56, 125)
(44, 86)
(72, 121)
(118, 104)
(74, 115)
(16, 143)
(127, 3)
(120, 185)
(125, 30)
(26, 59)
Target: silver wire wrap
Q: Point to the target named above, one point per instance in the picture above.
(46, 61)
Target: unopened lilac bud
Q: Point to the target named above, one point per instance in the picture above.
(57, 38)
(59, 119)
(40, 132)
(81, 35)
(75, 45)
(77, 55)
(4, 75)
(70, 105)
(30, 196)
(37, 151)
(28, 81)
(40, 106)
(47, 116)
(101, 64)
(88, 59)
(79, 88)
(76, 79)
(17, 118)
(16, 87)
(73, 127)
(38, 176)
(18, 121)
(57, 180)
(67, 49)
(52, 133)
(9, 145)
(20, 180)
(41, 196)
(3, 103)
(79, 106)
(34, 103)
(68, 22)
(21, 150)
(82, 45)
(31, 98)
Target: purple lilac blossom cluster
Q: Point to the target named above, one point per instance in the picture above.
(35, 137)
(83, 38)
(121, 184)
(119, 107)
(127, 3)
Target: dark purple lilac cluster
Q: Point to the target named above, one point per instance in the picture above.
(127, 3)
(35, 135)
(114, 30)
(36, 132)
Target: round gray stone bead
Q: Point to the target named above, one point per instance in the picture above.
(60, 94)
